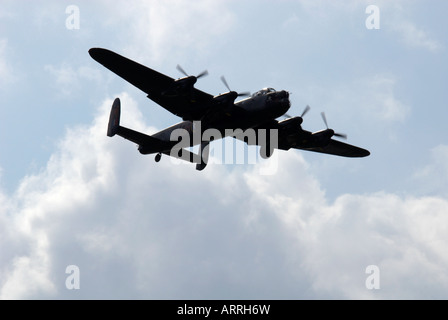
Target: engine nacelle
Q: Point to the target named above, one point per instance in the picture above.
(291, 125)
(226, 98)
(181, 86)
(142, 149)
(322, 138)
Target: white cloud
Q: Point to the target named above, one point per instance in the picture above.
(138, 229)
(6, 72)
(433, 177)
(374, 97)
(377, 98)
(383, 101)
(159, 28)
(415, 36)
(383, 230)
(322, 5)
(403, 18)
(394, 15)
(68, 79)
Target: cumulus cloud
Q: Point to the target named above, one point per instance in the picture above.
(140, 229)
(160, 28)
(433, 177)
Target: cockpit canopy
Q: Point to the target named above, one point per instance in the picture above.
(263, 92)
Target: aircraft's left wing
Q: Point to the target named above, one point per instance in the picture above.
(190, 106)
(339, 148)
(303, 140)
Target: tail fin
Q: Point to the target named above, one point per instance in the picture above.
(114, 119)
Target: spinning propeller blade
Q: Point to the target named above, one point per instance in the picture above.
(225, 83)
(287, 116)
(305, 111)
(203, 73)
(178, 67)
(340, 135)
(181, 70)
(241, 94)
(324, 118)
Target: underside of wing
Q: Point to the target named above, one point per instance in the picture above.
(298, 138)
(190, 105)
(338, 148)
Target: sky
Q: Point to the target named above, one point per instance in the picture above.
(85, 216)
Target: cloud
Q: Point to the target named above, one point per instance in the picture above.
(374, 97)
(403, 18)
(383, 102)
(161, 28)
(402, 237)
(393, 16)
(433, 177)
(68, 79)
(415, 36)
(140, 229)
(6, 72)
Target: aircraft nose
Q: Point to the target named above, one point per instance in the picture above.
(283, 100)
(279, 102)
(284, 97)
(280, 95)
(283, 94)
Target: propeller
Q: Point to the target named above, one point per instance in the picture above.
(305, 111)
(203, 73)
(242, 94)
(340, 135)
(286, 115)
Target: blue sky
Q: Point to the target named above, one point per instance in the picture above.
(70, 195)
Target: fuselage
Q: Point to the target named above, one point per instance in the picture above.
(262, 107)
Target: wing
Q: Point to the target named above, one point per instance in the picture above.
(338, 148)
(298, 138)
(190, 106)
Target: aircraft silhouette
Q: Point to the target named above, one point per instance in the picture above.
(201, 111)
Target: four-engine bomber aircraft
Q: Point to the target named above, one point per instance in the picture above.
(179, 96)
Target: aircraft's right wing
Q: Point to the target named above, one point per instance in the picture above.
(191, 106)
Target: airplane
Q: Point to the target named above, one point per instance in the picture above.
(257, 112)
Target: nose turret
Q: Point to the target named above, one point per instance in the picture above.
(279, 102)
(282, 94)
